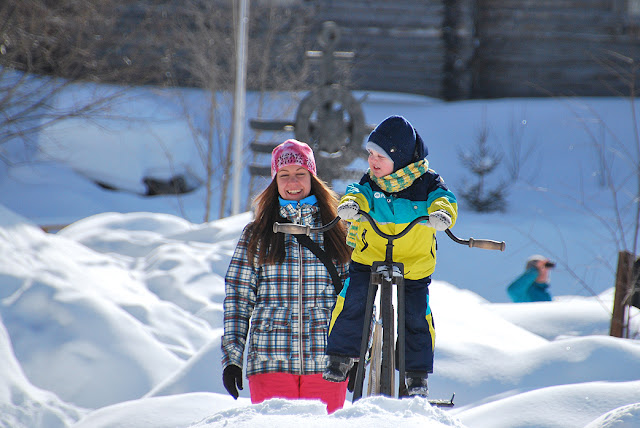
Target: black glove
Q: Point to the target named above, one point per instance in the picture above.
(352, 377)
(232, 376)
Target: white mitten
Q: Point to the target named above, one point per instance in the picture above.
(348, 210)
(440, 220)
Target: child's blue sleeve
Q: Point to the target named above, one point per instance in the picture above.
(359, 193)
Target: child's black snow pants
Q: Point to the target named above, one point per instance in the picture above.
(345, 330)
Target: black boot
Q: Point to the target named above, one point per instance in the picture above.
(417, 383)
(337, 368)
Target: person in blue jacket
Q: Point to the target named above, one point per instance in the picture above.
(398, 187)
(533, 284)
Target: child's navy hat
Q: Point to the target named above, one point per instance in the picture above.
(399, 141)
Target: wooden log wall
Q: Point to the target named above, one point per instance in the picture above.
(530, 48)
(398, 44)
(450, 49)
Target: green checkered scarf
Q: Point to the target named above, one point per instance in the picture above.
(402, 178)
(392, 183)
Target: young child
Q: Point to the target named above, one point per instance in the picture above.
(397, 188)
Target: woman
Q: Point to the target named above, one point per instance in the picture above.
(283, 288)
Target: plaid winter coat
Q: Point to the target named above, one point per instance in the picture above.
(289, 305)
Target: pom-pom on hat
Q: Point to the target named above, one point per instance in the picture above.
(398, 140)
(292, 152)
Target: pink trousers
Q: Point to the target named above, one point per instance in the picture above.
(290, 386)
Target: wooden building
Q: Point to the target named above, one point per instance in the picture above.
(457, 49)
(450, 49)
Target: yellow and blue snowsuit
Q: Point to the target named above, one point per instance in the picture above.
(416, 250)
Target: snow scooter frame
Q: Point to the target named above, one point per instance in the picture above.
(384, 275)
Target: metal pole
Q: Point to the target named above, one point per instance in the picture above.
(388, 331)
(239, 102)
(400, 291)
(374, 280)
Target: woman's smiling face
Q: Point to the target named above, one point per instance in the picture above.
(294, 182)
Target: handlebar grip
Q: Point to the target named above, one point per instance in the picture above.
(291, 228)
(487, 244)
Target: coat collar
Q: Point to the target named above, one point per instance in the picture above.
(301, 213)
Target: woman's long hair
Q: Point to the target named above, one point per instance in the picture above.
(270, 246)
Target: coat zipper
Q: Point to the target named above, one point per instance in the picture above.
(300, 341)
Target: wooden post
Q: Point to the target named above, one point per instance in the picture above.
(625, 260)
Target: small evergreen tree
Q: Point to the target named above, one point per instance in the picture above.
(482, 161)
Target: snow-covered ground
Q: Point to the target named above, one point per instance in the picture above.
(115, 321)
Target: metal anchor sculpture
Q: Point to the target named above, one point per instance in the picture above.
(329, 118)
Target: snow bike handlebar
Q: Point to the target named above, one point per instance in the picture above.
(486, 244)
(299, 229)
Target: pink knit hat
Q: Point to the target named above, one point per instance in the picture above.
(292, 152)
